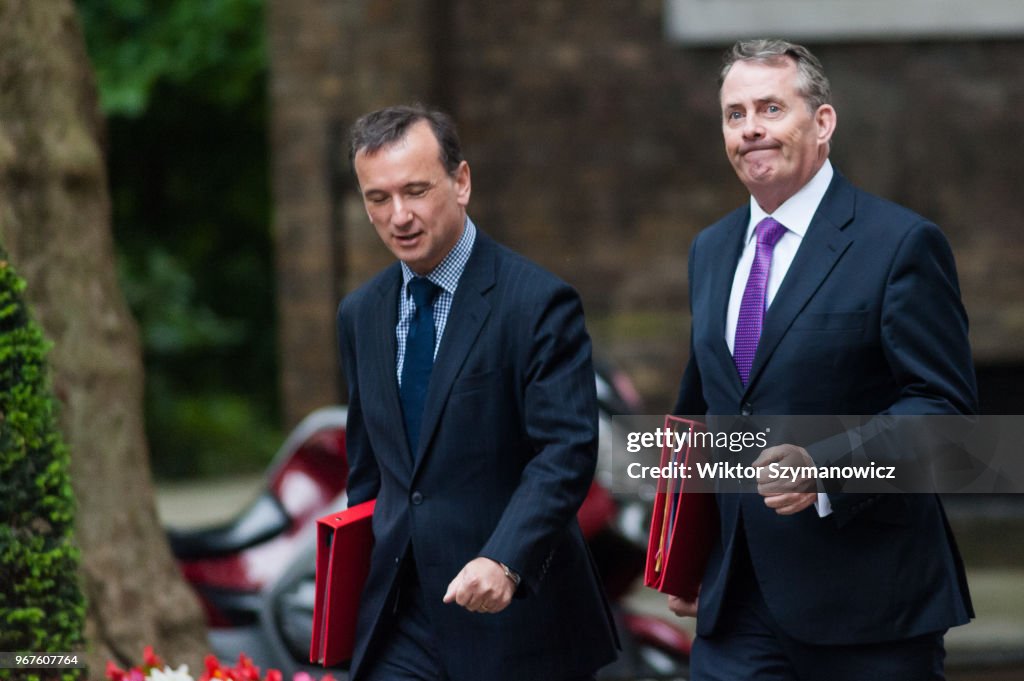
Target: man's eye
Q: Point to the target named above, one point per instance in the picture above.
(735, 115)
(376, 199)
(774, 108)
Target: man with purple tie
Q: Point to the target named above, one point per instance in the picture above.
(819, 298)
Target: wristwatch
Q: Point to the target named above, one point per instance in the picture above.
(511, 575)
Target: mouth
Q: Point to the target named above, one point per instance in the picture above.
(753, 148)
(407, 239)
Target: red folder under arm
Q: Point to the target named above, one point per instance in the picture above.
(683, 525)
(344, 543)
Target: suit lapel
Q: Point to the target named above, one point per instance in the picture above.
(385, 367)
(469, 311)
(730, 243)
(822, 247)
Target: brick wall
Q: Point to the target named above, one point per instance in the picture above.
(596, 150)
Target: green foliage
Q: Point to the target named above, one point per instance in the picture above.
(162, 296)
(183, 83)
(216, 434)
(41, 605)
(136, 44)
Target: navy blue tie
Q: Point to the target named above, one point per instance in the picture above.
(419, 358)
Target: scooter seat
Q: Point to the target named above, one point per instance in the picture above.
(263, 519)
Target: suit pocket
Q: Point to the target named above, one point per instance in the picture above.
(473, 382)
(831, 321)
(889, 509)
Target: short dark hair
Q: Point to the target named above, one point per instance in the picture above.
(813, 83)
(384, 127)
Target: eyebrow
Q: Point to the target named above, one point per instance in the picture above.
(414, 185)
(759, 101)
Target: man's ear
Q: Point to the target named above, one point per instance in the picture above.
(463, 184)
(825, 119)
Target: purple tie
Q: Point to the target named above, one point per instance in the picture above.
(748, 326)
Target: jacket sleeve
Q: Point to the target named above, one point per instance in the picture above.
(690, 401)
(560, 418)
(363, 473)
(925, 343)
(924, 328)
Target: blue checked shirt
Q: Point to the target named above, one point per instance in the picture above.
(446, 275)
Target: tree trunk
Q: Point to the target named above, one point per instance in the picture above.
(55, 222)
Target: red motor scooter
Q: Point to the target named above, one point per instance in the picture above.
(255, 574)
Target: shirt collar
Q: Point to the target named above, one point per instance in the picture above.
(449, 270)
(798, 210)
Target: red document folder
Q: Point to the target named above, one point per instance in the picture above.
(344, 543)
(684, 523)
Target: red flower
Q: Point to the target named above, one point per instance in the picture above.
(114, 673)
(245, 670)
(213, 669)
(151, 660)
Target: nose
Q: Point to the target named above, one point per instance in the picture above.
(401, 214)
(752, 128)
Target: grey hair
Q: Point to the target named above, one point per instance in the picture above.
(384, 127)
(812, 84)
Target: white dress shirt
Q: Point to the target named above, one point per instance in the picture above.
(795, 215)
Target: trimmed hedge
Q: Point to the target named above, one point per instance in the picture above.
(41, 605)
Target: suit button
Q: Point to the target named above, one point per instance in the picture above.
(747, 409)
(417, 498)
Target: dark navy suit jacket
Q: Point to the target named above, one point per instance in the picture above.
(868, 320)
(506, 455)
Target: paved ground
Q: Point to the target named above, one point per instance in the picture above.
(989, 649)
(191, 504)
(993, 643)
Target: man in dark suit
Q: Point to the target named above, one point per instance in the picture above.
(818, 298)
(473, 422)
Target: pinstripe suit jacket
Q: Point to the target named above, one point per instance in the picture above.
(505, 457)
(868, 320)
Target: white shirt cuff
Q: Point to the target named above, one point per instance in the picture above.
(823, 505)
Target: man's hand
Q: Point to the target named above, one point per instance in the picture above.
(481, 586)
(789, 492)
(682, 607)
(788, 504)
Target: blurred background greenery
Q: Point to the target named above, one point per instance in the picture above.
(183, 87)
